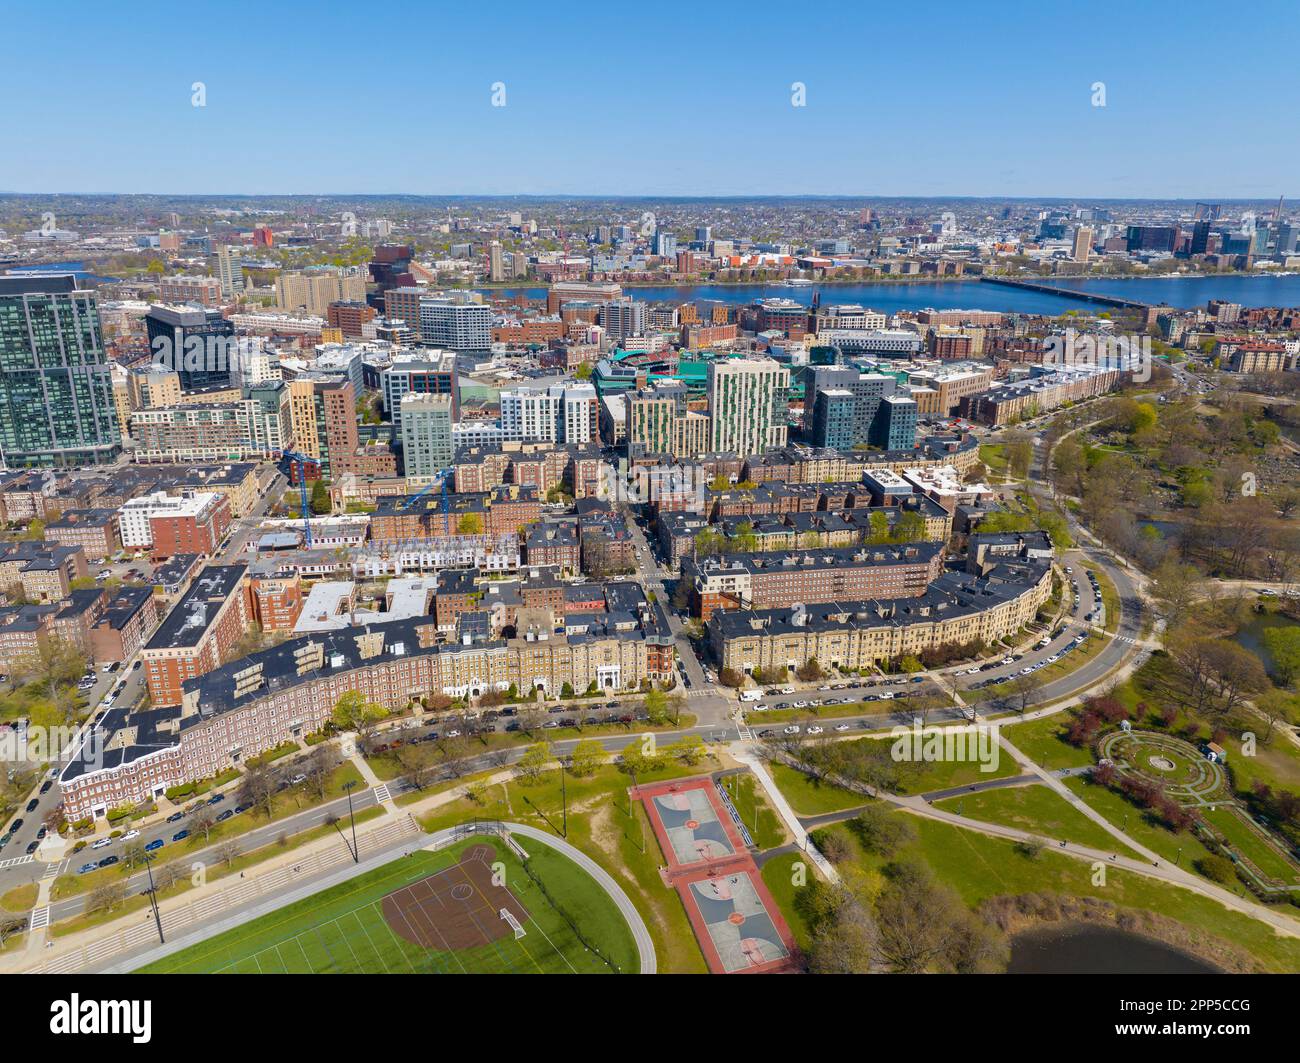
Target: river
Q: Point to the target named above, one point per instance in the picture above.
(1085, 948)
(889, 297)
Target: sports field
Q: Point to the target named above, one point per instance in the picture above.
(433, 913)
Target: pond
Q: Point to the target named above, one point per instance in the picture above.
(1252, 635)
(1084, 948)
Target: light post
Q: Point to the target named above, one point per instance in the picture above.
(153, 897)
(348, 787)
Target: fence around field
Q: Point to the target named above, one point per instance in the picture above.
(239, 891)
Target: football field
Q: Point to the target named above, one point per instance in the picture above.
(471, 908)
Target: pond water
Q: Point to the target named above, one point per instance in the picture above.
(1252, 635)
(1083, 948)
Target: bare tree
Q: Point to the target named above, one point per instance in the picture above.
(228, 851)
(202, 821)
(259, 788)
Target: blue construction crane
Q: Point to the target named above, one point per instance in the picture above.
(302, 461)
(445, 503)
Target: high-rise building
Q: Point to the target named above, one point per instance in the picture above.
(433, 373)
(192, 341)
(845, 408)
(426, 435)
(623, 317)
(323, 411)
(561, 413)
(496, 262)
(56, 387)
(664, 244)
(230, 270)
(314, 289)
(748, 405)
(455, 321)
(1082, 243)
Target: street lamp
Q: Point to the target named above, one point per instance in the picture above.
(348, 787)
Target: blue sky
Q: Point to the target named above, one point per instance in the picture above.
(668, 98)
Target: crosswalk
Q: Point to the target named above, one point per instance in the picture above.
(15, 861)
(742, 729)
(382, 794)
(40, 918)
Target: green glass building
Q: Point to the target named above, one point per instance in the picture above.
(56, 391)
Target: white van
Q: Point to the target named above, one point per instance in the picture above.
(750, 695)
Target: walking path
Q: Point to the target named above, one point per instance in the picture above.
(745, 755)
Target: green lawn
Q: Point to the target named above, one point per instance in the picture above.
(1033, 808)
(1043, 741)
(809, 796)
(760, 819)
(779, 874)
(611, 830)
(343, 929)
(1143, 829)
(1245, 842)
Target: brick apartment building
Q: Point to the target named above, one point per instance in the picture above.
(124, 625)
(94, 530)
(198, 633)
(771, 581)
(194, 529)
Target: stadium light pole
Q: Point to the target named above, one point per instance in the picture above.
(153, 897)
(348, 787)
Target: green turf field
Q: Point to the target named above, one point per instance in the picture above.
(342, 930)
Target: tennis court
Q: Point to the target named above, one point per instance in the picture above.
(469, 909)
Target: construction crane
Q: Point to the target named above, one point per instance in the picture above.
(445, 503)
(302, 461)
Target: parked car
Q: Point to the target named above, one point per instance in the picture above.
(45, 786)
(176, 817)
(216, 799)
(31, 847)
(108, 861)
(86, 869)
(793, 729)
(180, 835)
(130, 834)
(225, 815)
(841, 727)
(102, 843)
(154, 845)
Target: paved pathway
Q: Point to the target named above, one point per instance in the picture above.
(746, 755)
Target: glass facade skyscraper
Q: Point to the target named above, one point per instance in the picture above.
(56, 391)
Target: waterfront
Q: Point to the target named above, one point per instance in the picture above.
(1084, 948)
(892, 296)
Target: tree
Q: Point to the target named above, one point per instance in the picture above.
(319, 769)
(320, 498)
(844, 941)
(881, 831)
(105, 898)
(56, 664)
(1283, 645)
(1176, 588)
(202, 821)
(1025, 688)
(169, 875)
(809, 670)
(133, 854)
(689, 749)
(729, 677)
(534, 761)
(531, 717)
(417, 764)
(228, 851)
(588, 755)
(352, 712)
(258, 788)
(469, 524)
